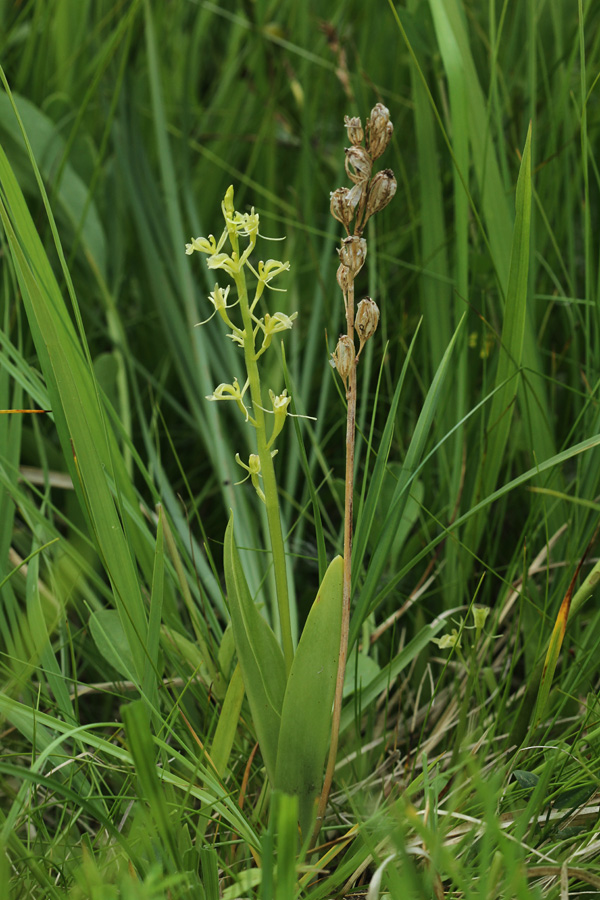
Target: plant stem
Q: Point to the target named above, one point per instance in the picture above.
(347, 586)
(268, 475)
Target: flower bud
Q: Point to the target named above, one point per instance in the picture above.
(379, 130)
(344, 356)
(366, 321)
(358, 164)
(343, 206)
(353, 253)
(355, 130)
(381, 190)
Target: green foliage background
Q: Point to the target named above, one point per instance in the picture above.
(135, 118)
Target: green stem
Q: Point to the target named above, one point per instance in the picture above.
(268, 475)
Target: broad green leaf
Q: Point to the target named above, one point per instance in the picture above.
(306, 714)
(111, 641)
(574, 797)
(260, 656)
(526, 779)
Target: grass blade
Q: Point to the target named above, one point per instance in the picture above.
(511, 345)
(400, 498)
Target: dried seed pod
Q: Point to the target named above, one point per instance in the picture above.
(343, 277)
(378, 120)
(382, 188)
(354, 129)
(343, 204)
(355, 193)
(379, 130)
(367, 320)
(353, 253)
(358, 164)
(380, 142)
(344, 356)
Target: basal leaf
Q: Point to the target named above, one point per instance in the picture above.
(259, 655)
(306, 714)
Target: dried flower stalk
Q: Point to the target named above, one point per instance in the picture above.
(367, 196)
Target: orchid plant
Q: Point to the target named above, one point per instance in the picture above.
(254, 335)
(290, 689)
(295, 694)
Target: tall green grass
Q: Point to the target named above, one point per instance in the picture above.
(127, 751)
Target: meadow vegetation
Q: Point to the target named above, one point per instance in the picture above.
(163, 725)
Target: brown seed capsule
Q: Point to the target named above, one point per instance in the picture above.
(366, 321)
(379, 130)
(354, 129)
(382, 188)
(343, 277)
(342, 206)
(358, 164)
(378, 120)
(353, 253)
(355, 193)
(344, 356)
(380, 142)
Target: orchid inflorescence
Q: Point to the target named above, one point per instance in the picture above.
(255, 332)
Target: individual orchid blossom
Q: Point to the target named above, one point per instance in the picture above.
(253, 470)
(447, 641)
(206, 245)
(218, 298)
(233, 392)
(267, 271)
(271, 325)
(229, 264)
(280, 411)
